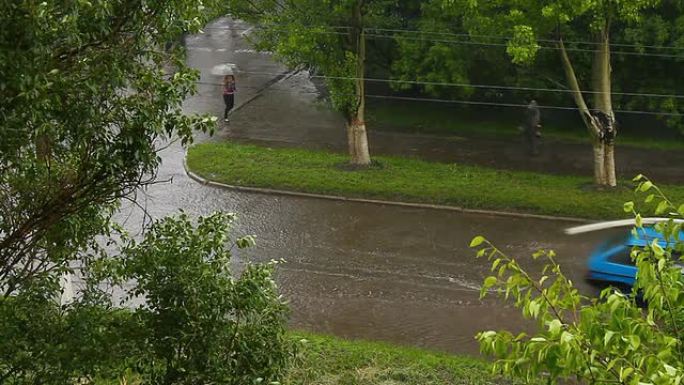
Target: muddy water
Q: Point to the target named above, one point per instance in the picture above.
(357, 270)
(370, 271)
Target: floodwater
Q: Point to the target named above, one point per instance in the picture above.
(358, 270)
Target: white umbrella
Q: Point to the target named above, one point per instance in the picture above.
(224, 69)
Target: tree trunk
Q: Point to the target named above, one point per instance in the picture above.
(576, 91)
(601, 122)
(357, 137)
(358, 143)
(604, 119)
(599, 164)
(609, 164)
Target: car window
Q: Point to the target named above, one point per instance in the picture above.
(617, 239)
(622, 257)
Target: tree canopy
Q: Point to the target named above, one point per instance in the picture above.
(91, 91)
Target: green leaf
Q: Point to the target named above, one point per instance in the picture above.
(662, 207)
(625, 372)
(555, 326)
(477, 241)
(628, 207)
(670, 369)
(607, 337)
(534, 307)
(638, 221)
(489, 282)
(657, 249)
(566, 337)
(487, 335)
(646, 186)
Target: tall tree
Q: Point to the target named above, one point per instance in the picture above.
(328, 37)
(659, 37)
(87, 90)
(529, 21)
(89, 94)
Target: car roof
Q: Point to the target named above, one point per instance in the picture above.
(646, 235)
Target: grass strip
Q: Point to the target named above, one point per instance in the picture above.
(327, 360)
(410, 180)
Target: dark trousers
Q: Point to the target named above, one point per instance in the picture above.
(532, 139)
(229, 100)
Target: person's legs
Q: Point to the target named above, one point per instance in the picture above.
(231, 102)
(531, 143)
(226, 101)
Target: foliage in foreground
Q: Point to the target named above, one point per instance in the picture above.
(596, 341)
(90, 91)
(196, 323)
(407, 180)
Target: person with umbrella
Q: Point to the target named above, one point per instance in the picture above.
(227, 70)
(228, 95)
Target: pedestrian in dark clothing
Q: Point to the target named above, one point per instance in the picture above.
(228, 94)
(532, 128)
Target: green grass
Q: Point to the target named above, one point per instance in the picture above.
(409, 180)
(328, 360)
(332, 361)
(449, 121)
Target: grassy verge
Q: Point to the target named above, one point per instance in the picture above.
(409, 180)
(448, 121)
(332, 361)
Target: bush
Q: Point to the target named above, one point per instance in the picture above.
(201, 324)
(42, 342)
(198, 324)
(598, 341)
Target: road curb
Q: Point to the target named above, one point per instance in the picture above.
(269, 191)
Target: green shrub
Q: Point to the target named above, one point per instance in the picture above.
(607, 340)
(203, 325)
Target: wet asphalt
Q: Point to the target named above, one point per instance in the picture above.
(396, 274)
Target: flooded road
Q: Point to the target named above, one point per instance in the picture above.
(397, 274)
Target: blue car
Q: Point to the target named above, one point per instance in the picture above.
(611, 263)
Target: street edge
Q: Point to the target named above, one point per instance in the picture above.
(339, 198)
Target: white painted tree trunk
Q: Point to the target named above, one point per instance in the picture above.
(357, 136)
(599, 164)
(603, 140)
(358, 143)
(609, 165)
(603, 100)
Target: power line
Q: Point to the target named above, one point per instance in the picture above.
(478, 86)
(509, 38)
(469, 35)
(569, 49)
(452, 101)
(468, 42)
(469, 102)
